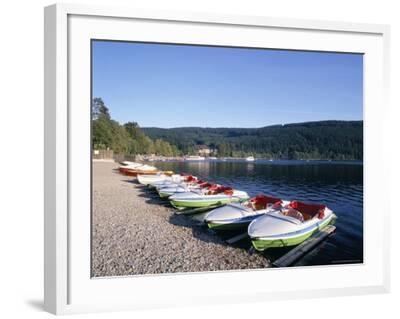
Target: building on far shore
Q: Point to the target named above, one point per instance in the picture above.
(206, 151)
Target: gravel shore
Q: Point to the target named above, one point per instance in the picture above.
(135, 232)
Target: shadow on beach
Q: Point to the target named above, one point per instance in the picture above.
(131, 181)
(148, 193)
(201, 231)
(153, 198)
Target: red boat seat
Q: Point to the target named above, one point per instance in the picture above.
(261, 201)
(308, 210)
(205, 185)
(190, 178)
(218, 189)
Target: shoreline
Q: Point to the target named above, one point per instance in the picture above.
(134, 232)
(256, 161)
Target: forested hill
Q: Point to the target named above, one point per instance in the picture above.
(339, 140)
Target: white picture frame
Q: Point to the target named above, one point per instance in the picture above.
(68, 286)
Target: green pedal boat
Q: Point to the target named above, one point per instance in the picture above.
(289, 226)
(210, 196)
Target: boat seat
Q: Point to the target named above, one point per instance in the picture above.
(258, 206)
(307, 216)
(308, 211)
(290, 212)
(262, 202)
(219, 189)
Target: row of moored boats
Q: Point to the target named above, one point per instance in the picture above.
(270, 221)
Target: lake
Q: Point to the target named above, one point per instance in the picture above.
(337, 184)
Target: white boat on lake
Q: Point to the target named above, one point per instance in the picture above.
(250, 159)
(194, 158)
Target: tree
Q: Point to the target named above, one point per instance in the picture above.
(101, 133)
(99, 109)
(121, 140)
(291, 153)
(224, 149)
(133, 129)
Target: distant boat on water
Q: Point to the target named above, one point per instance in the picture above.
(195, 158)
(250, 159)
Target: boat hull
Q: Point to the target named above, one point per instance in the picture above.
(236, 216)
(136, 173)
(228, 226)
(262, 244)
(164, 195)
(182, 204)
(166, 183)
(166, 192)
(150, 179)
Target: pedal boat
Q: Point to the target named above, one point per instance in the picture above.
(126, 166)
(240, 215)
(129, 163)
(210, 196)
(184, 187)
(176, 179)
(151, 179)
(288, 226)
(140, 170)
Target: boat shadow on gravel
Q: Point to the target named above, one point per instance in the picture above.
(132, 181)
(151, 195)
(202, 232)
(154, 199)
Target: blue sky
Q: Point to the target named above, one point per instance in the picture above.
(173, 85)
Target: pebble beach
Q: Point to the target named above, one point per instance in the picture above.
(134, 232)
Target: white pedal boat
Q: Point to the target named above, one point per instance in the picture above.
(158, 178)
(138, 170)
(174, 181)
(213, 195)
(184, 187)
(126, 166)
(289, 226)
(239, 215)
(130, 164)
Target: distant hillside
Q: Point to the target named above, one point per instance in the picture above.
(339, 140)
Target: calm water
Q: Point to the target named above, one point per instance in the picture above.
(339, 185)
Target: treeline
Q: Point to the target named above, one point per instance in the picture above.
(128, 138)
(336, 140)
